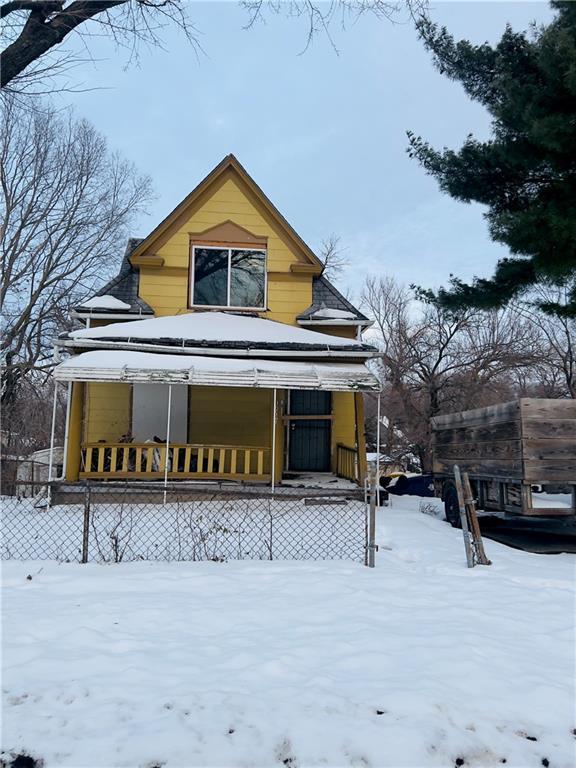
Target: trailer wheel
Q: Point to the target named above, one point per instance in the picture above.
(452, 506)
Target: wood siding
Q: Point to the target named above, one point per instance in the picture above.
(230, 416)
(344, 424)
(107, 411)
(166, 288)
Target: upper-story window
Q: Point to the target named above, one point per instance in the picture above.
(228, 277)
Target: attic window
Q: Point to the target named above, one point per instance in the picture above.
(228, 277)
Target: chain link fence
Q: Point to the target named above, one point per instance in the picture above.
(139, 522)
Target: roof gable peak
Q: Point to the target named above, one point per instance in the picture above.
(229, 163)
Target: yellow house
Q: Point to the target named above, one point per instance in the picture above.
(220, 352)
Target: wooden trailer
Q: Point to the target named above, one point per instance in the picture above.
(506, 450)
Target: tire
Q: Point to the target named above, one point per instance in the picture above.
(451, 506)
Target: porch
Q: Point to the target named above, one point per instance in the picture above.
(237, 421)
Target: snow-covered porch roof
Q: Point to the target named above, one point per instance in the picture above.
(144, 367)
(215, 334)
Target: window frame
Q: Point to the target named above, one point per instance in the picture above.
(226, 247)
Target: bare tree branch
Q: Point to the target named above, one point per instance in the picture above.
(333, 257)
(66, 202)
(41, 27)
(320, 17)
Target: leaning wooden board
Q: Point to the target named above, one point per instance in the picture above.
(523, 442)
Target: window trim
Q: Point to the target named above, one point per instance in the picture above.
(226, 247)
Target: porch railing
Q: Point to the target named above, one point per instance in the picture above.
(149, 461)
(347, 462)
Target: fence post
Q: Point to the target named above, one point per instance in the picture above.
(372, 519)
(463, 517)
(86, 525)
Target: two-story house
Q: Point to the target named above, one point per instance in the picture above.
(220, 351)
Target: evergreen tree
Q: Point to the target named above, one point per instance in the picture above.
(526, 172)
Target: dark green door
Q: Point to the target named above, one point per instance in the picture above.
(309, 439)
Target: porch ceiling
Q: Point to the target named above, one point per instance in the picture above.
(124, 366)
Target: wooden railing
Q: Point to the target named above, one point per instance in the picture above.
(347, 462)
(150, 461)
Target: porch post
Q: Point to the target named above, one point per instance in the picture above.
(273, 439)
(67, 427)
(167, 439)
(378, 451)
(75, 430)
(51, 459)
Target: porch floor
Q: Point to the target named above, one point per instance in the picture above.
(324, 480)
(320, 484)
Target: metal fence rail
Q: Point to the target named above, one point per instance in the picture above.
(136, 522)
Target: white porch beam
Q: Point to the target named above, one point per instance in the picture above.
(52, 432)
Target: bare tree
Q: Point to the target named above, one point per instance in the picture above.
(27, 420)
(435, 362)
(320, 17)
(66, 203)
(555, 372)
(333, 257)
(36, 29)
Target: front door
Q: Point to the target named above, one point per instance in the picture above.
(309, 439)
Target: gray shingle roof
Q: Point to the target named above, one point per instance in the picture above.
(125, 286)
(326, 296)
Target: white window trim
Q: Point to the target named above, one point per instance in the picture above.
(229, 249)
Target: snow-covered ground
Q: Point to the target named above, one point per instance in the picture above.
(418, 662)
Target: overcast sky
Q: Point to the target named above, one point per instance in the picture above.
(324, 135)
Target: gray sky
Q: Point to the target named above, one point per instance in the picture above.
(323, 135)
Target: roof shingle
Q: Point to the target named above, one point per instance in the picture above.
(124, 286)
(326, 296)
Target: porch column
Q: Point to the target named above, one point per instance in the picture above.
(67, 427)
(169, 413)
(378, 417)
(273, 457)
(52, 430)
(73, 453)
(360, 439)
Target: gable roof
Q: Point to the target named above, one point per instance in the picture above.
(326, 297)
(230, 162)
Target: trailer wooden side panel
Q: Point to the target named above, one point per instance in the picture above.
(548, 440)
(491, 414)
(506, 449)
(485, 442)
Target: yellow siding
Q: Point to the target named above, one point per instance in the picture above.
(165, 288)
(360, 436)
(281, 397)
(344, 424)
(107, 411)
(74, 432)
(230, 416)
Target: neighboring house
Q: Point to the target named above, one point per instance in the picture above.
(221, 341)
(34, 471)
